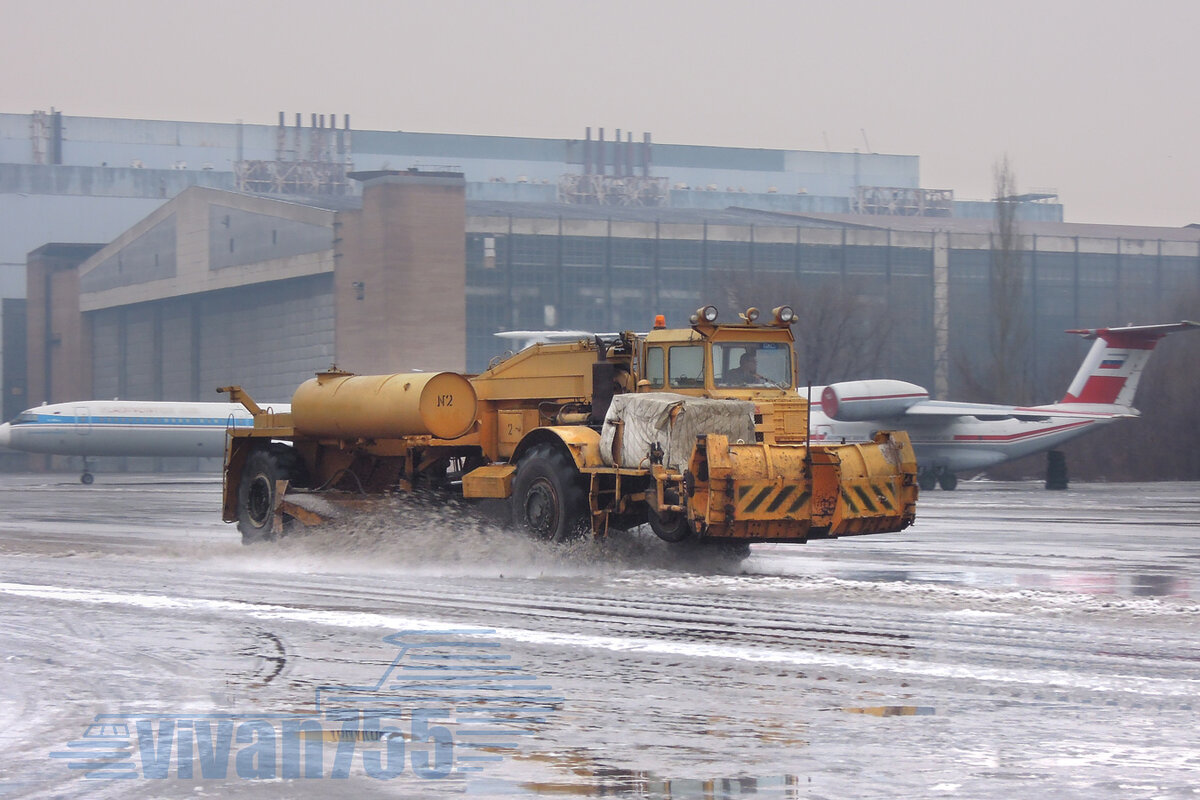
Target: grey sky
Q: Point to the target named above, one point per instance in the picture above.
(1095, 99)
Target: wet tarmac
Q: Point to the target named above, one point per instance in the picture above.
(1015, 643)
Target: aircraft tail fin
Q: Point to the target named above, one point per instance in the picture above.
(1111, 370)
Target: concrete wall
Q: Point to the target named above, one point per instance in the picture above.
(203, 233)
(267, 338)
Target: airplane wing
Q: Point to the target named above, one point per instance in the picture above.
(896, 401)
(989, 411)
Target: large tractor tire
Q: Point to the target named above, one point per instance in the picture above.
(548, 497)
(256, 493)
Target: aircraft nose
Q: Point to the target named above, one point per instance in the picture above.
(5, 434)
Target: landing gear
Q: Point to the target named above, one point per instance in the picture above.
(1056, 470)
(930, 478)
(87, 477)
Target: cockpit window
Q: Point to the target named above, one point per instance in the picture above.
(753, 364)
(26, 416)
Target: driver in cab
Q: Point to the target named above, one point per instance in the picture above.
(746, 371)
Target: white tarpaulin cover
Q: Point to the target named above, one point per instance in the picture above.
(674, 421)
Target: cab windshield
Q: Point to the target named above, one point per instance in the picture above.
(752, 364)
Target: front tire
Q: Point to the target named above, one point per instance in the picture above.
(548, 497)
(256, 493)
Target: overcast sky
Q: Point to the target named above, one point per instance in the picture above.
(1096, 100)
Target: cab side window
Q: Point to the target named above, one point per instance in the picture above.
(686, 366)
(655, 367)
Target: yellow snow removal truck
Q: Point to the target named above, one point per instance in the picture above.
(699, 432)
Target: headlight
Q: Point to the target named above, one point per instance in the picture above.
(784, 315)
(751, 314)
(705, 314)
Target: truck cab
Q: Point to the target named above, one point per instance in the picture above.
(729, 360)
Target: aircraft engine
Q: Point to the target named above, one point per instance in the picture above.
(858, 401)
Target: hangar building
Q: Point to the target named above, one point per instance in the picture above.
(219, 287)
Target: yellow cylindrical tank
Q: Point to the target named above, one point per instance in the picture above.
(343, 405)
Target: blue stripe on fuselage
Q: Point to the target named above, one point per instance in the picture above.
(174, 422)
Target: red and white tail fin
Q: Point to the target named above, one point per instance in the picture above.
(1110, 372)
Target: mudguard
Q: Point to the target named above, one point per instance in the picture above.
(581, 442)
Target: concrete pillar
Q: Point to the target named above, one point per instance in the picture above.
(941, 314)
(400, 275)
(55, 332)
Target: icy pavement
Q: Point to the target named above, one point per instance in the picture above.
(1015, 643)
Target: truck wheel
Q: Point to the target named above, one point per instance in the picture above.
(733, 551)
(670, 527)
(256, 493)
(548, 498)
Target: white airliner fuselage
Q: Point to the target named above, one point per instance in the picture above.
(950, 437)
(125, 428)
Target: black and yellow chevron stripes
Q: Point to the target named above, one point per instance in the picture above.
(871, 498)
(770, 500)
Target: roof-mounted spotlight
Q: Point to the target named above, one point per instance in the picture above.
(750, 314)
(705, 314)
(784, 315)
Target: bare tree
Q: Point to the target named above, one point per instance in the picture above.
(840, 332)
(1004, 376)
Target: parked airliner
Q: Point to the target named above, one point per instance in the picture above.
(125, 428)
(949, 437)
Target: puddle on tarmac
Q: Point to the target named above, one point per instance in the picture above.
(1151, 584)
(579, 773)
(890, 711)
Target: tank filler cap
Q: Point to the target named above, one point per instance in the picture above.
(332, 373)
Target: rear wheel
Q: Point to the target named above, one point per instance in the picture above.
(548, 496)
(733, 551)
(256, 493)
(670, 526)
